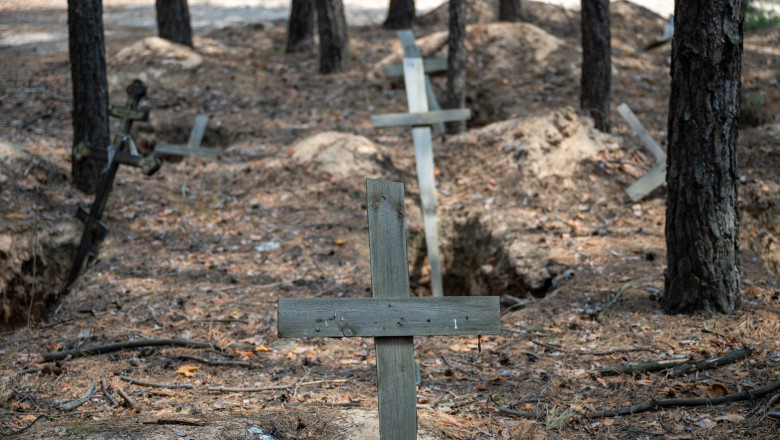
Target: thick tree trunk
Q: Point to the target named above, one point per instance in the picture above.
(400, 14)
(456, 62)
(300, 28)
(702, 217)
(334, 43)
(173, 21)
(90, 87)
(596, 62)
(509, 10)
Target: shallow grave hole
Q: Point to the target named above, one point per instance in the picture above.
(481, 256)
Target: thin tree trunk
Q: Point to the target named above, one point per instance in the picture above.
(400, 15)
(509, 10)
(90, 87)
(173, 21)
(596, 62)
(456, 63)
(334, 43)
(702, 217)
(300, 28)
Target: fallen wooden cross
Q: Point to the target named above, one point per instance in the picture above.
(391, 316)
(117, 153)
(657, 175)
(193, 147)
(420, 119)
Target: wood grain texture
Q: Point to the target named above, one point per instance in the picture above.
(419, 119)
(644, 136)
(390, 279)
(408, 44)
(372, 317)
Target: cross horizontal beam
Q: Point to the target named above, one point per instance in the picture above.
(186, 150)
(430, 65)
(148, 164)
(100, 228)
(419, 119)
(373, 317)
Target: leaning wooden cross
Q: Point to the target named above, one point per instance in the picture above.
(391, 317)
(657, 175)
(193, 147)
(121, 151)
(421, 119)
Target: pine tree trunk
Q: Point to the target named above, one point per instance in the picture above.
(509, 10)
(400, 15)
(90, 87)
(596, 62)
(300, 28)
(456, 63)
(173, 21)
(334, 43)
(702, 217)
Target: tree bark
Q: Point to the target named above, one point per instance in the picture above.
(173, 21)
(702, 217)
(90, 87)
(509, 10)
(400, 15)
(334, 43)
(300, 28)
(596, 62)
(456, 63)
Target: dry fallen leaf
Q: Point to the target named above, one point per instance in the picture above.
(341, 241)
(15, 216)
(733, 418)
(186, 370)
(717, 389)
(29, 418)
(262, 348)
(245, 354)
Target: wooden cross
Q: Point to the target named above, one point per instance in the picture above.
(193, 147)
(657, 175)
(391, 316)
(94, 228)
(421, 119)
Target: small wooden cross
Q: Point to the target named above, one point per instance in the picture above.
(657, 175)
(391, 316)
(193, 147)
(421, 120)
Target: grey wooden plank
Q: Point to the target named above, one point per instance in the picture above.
(185, 150)
(633, 122)
(420, 118)
(650, 181)
(430, 65)
(416, 97)
(372, 317)
(390, 279)
(433, 104)
(409, 44)
(198, 129)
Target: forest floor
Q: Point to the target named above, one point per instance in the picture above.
(531, 205)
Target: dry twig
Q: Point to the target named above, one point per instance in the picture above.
(642, 367)
(109, 348)
(107, 393)
(708, 364)
(130, 401)
(73, 404)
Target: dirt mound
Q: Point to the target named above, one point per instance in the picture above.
(156, 51)
(339, 156)
(501, 54)
(544, 146)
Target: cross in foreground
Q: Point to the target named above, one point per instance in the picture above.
(391, 317)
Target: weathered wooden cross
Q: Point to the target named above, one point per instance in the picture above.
(657, 175)
(391, 317)
(421, 119)
(94, 228)
(193, 147)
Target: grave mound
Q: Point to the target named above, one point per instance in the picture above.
(339, 156)
(34, 255)
(500, 54)
(158, 52)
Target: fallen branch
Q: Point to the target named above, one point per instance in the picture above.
(107, 393)
(516, 413)
(215, 362)
(188, 421)
(73, 404)
(117, 346)
(157, 385)
(130, 401)
(667, 403)
(614, 299)
(708, 364)
(246, 390)
(774, 415)
(642, 367)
